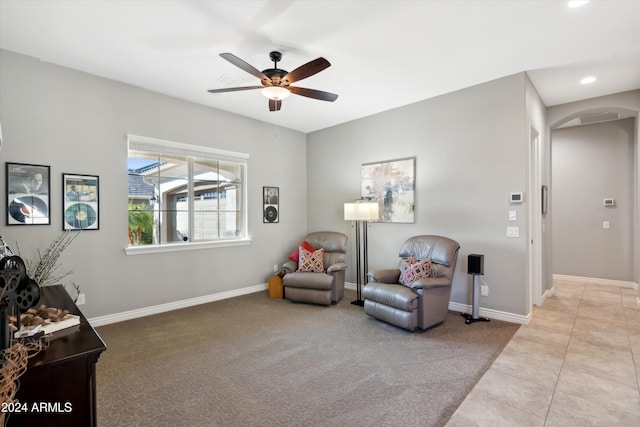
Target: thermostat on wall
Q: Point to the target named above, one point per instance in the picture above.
(516, 198)
(609, 202)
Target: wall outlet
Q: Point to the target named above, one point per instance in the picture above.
(275, 268)
(484, 290)
(81, 299)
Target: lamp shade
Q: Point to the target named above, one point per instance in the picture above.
(360, 211)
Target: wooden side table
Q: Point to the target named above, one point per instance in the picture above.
(59, 386)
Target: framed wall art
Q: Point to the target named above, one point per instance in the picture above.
(392, 185)
(28, 199)
(80, 202)
(270, 204)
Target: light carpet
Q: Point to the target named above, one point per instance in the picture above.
(254, 361)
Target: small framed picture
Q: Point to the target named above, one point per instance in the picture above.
(28, 199)
(80, 202)
(270, 201)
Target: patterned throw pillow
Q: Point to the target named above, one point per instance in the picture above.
(311, 261)
(295, 255)
(414, 270)
(403, 266)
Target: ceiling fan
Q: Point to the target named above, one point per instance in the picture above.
(276, 82)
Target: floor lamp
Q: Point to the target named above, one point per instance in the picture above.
(361, 213)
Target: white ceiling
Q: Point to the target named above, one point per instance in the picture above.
(384, 54)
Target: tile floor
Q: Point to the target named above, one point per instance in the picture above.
(576, 364)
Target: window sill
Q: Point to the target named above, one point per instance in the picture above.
(179, 247)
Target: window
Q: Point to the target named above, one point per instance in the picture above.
(183, 196)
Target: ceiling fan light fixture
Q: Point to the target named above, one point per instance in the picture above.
(276, 93)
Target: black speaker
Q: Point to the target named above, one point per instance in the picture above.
(475, 264)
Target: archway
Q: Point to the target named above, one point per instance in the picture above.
(581, 113)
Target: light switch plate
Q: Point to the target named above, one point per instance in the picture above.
(513, 216)
(513, 231)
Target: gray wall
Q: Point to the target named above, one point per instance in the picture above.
(471, 150)
(591, 163)
(77, 123)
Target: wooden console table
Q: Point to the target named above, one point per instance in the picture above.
(61, 380)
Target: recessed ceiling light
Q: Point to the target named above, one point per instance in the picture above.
(587, 80)
(577, 3)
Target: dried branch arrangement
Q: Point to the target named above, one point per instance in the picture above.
(44, 270)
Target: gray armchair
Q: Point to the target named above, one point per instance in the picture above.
(426, 303)
(319, 288)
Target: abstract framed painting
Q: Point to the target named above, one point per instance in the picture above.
(392, 185)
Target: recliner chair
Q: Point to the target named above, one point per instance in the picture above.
(319, 288)
(423, 305)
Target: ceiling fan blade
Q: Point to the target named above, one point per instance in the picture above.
(244, 66)
(306, 70)
(234, 89)
(275, 104)
(315, 94)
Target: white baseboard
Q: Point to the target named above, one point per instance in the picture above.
(162, 308)
(596, 281)
(547, 294)
(492, 314)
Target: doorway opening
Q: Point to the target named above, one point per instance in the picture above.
(594, 155)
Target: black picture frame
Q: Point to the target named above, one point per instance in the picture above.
(80, 202)
(28, 198)
(270, 205)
